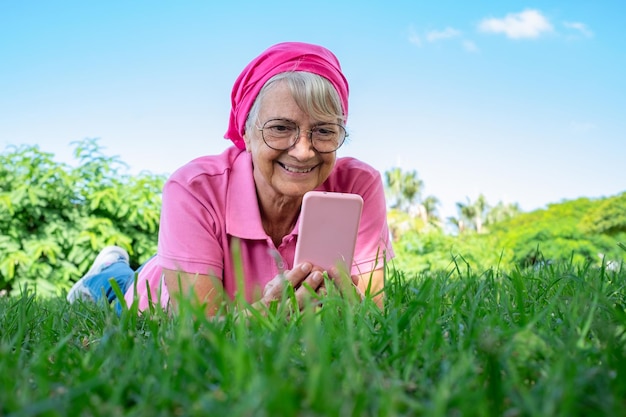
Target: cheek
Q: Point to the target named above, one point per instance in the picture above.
(326, 168)
(254, 147)
(263, 157)
(329, 162)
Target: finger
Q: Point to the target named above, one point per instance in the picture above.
(355, 280)
(275, 288)
(322, 291)
(347, 284)
(309, 287)
(341, 278)
(298, 274)
(314, 280)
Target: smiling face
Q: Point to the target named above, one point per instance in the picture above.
(292, 172)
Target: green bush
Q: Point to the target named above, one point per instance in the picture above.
(54, 218)
(581, 230)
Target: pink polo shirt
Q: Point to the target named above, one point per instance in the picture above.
(210, 204)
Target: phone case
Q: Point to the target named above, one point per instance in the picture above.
(328, 227)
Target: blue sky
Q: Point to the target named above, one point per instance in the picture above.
(520, 101)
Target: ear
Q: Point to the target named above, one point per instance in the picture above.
(246, 140)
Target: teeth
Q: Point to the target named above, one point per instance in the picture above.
(297, 170)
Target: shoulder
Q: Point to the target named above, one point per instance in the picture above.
(211, 168)
(357, 166)
(352, 175)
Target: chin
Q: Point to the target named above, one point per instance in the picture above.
(295, 191)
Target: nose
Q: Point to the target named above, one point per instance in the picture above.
(303, 148)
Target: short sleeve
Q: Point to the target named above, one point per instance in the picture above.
(190, 232)
(373, 246)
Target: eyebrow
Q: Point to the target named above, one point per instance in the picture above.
(319, 123)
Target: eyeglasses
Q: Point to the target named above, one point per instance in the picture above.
(282, 134)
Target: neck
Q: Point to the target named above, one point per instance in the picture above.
(279, 216)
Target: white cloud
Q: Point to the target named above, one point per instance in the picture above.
(441, 35)
(580, 27)
(526, 24)
(437, 35)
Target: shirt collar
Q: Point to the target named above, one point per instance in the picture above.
(243, 218)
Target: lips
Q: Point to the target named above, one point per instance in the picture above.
(296, 170)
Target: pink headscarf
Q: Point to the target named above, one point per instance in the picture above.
(282, 57)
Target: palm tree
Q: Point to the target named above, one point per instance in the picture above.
(428, 211)
(457, 223)
(472, 215)
(467, 213)
(501, 212)
(393, 182)
(481, 208)
(403, 189)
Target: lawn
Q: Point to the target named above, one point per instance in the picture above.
(546, 341)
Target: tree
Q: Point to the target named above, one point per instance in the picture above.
(403, 189)
(555, 234)
(430, 211)
(472, 216)
(54, 218)
(501, 212)
(408, 211)
(608, 217)
(477, 215)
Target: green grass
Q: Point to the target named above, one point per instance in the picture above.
(538, 342)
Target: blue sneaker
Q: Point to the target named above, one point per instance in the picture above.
(106, 257)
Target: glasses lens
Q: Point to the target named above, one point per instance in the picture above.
(328, 137)
(279, 134)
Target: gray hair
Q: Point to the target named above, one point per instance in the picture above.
(314, 94)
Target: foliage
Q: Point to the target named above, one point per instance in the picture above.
(54, 218)
(418, 252)
(608, 217)
(539, 342)
(557, 233)
(560, 232)
(404, 188)
(407, 208)
(478, 216)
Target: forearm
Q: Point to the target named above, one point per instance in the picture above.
(196, 289)
(373, 283)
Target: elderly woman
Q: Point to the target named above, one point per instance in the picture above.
(242, 207)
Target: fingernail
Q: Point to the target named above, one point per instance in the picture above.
(306, 267)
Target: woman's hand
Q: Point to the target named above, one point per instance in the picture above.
(303, 278)
(348, 285)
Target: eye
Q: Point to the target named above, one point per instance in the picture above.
(280, 127)
(326, 131)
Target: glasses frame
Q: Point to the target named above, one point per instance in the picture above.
(309, 135)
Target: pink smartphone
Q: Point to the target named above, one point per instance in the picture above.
(328, 227)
